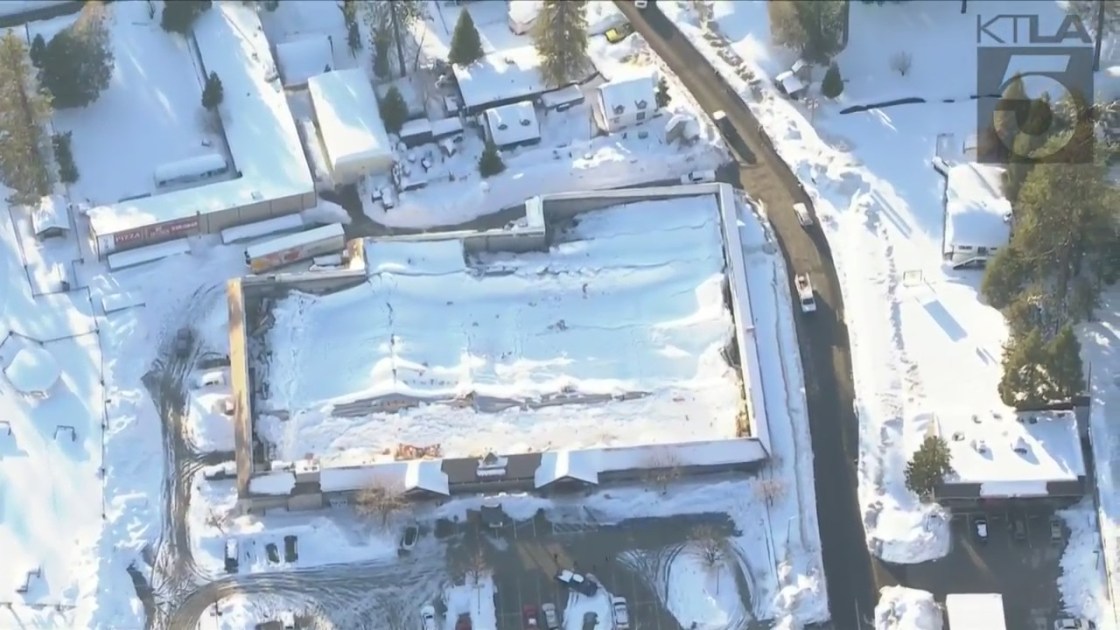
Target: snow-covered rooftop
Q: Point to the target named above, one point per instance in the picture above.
(349, 118)
(301, 59)
(586, 464)
(429, 343)
(50, 214)
(977, 213)
(1013, 455)
(524, 11)
(975, 611)
(33, 370)
(512, 124)
(507, 74)
(258, 126)
(628, 95)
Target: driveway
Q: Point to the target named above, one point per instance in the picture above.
(854, 576)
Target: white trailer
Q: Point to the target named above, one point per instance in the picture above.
(805, 293)
(293, 248)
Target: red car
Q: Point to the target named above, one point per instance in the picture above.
(464, 622)
(529, 614)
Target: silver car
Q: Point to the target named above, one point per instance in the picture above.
(551, 617)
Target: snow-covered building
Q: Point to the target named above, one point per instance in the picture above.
(625, 102)
(263, 141)
(499, 78)
(513, 125)
(50, 218)
(977, 214)
(350, 124)
(975, 611)
(1019, 456)
(300, 59)
(33, 371)
(522, 14)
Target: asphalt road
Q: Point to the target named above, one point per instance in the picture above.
(853, 575)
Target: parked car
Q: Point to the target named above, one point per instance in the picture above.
(1057, 534)
(805, 295)
(1019, 528)
(184, 341)
(273, 553)
(980, 529)
(803, 217)
(463, 622)
(1069, 623)
(428, 617)
(577, 582)
(408, 538)
(618, 33)
(529, 614)
(590, 620)
(641, 4)
(551, 617)
(621, 613)
(231, 555)
(698, 177)
(291, 548)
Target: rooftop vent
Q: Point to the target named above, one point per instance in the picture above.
(958, 436)
(980, 446)
(1020, 446)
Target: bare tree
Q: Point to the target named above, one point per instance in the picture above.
(711, 548)
(770, 489)
(477, 568)
(663, 467)
(383, 501)
(901, 62)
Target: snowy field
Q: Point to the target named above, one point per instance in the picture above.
(919, 333)
(150, 114)
(624, 315)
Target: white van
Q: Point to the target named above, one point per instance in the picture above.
(803, 216)
(699, 177)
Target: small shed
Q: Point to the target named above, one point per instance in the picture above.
(49, 219)
(301, 59)
(513, 125)
(350, 123)
(33, 371)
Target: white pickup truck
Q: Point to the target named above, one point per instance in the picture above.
(805, 293)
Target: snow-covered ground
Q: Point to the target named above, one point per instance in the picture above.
(623, 319)
(208, 424)
(1083, 582)
(150, 114)
(902, 608)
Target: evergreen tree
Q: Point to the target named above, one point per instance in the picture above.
(1024, 382)
(833, 84)
(213, 93)
(928, 467)
(38, 50)
(381, 57)
(179, 15)
(394, 18)
(353, 39)
(1064, 366)
(490, 162)
(349, 10)
(78, 61)
(1009, 113)
(64, 157)
(662, 95)
(466, 46)
(24, 111)
(394, 111)
(1004, 277)
(814, 28)
(560, 37)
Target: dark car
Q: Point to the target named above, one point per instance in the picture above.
(529, 616)
(291, 550)
(1019, 528)
(408, 538)
(184, 341)
(577, 582)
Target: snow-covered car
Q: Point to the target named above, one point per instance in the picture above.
(980, 528)
(620, 612)
(577, 582)
(408, 538)
(551, 617)
(288, 620)
(805, 295)
(428, 617)
(803, 217)
(618, 33)
(698, 177)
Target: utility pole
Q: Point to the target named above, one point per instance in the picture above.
(1100, 36)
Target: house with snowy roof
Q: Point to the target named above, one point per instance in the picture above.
(625, 102)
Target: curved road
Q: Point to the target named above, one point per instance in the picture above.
(853, 575)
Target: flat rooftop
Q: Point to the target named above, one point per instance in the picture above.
(613, 337)
(977, 213)
(1013, 454)
(258, 126)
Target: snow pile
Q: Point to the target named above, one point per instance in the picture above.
(902, 608)
(326, 212)
(580, 606)
(703, 594)
(474, 598)
(209, 426)
(1083, 581)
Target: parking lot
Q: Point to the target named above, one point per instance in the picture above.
(525, 557)
(1024, 571)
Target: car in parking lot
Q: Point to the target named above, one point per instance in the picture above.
(980, 529)
(428, 617)
(463, 622)
(529, 614)
(577, 582)
(408, 539)
(1069, 623)
(699, 177)
(1019, 528)
(1057, 534)
(551, 617)
(620, 612)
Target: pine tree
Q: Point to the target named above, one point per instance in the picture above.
(1064, 366)
(393, 19)
(64, 157)
(1004, 277)
(24, 111)
(1024, 382)
(78, 61)
(928, 466)
(1013, 106)
(490, 162)
(833, 84)
(179, 15)
(212, 93)
(38, 50)
(466, 46)
(560, 37)
(394, 111)
(353, 39)
(662, 97)
(814, 28)
(381, 56)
